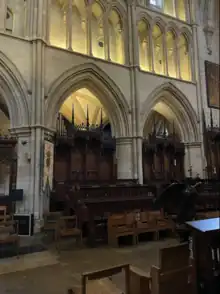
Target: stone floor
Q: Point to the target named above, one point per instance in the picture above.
(57, 278)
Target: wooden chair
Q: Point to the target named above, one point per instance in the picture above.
(97, 282)
(144, 224)
(51, 220)
(121, 225)
(67, 227)
(9, 234)
(174, 271)
(162, 223)
(139, 281)
(3, 213)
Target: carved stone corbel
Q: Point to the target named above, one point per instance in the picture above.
(209, 31)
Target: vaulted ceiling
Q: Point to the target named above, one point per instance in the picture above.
(84, 101)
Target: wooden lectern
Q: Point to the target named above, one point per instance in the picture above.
(206, 253)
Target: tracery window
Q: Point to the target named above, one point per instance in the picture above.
(87, 27)
(13, 17)
(163, 53)
(184, 58)
(158, 48)
(144, 46)
(9, 21)
(174, 8)
(116, 38)
(97, 24)
(58, 23)
(79, 29)
(171, 54)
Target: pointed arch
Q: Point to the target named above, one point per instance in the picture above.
(183, 113)
(13, 92)
(93, 78)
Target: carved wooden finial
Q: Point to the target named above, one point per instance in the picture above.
(73, 115)
(87, 117)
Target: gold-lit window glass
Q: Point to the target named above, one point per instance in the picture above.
(171, 54)
(169, 7)
(58, 29)
(157, 35)
(144, 46)
(181, 9)
(79, 39)
(184, 59)
(97, 24)
(116, 39)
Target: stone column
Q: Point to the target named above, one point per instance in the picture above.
(24, 177)
(124, 158)
(3, 11)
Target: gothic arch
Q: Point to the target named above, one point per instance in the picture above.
(184, 115)
(13, 92)
(97, 81)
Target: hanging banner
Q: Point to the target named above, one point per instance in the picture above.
(48, 164)
(212, 84)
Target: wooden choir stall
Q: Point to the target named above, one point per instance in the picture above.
(163, 158)
(8, 171)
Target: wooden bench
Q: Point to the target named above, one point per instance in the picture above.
(121, 225)
(9, 234)
(153, 221)
(174, 273)
(207, 214)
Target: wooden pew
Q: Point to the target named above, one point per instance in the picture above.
(173, 274)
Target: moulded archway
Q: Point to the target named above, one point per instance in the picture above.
(97, 81)
(174, 105)
(13, 93)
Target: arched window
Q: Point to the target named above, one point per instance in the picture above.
(144, 46)
(116, 39)
(171, 54)
(184, 58)
(79, 31)
(58, 17)
(97, 26)
(181, 9)
(9, 21)
(158, 48)
(169, 7)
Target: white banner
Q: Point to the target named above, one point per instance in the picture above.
(48, 164)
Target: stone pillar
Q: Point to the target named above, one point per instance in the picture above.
(24, 177)
(194, 160)
(140, 159)
(124, 158)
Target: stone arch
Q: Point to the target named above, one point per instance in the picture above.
(13, 92)
(97, 81)
(184, 115)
